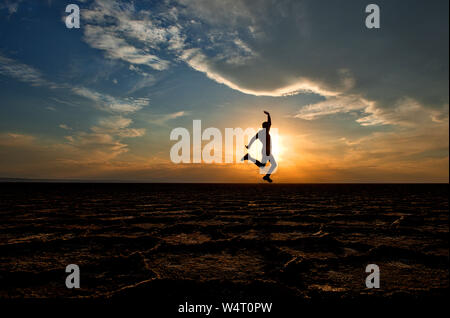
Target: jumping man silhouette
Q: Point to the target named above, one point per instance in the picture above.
(266, 154)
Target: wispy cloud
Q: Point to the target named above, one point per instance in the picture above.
(104, 141)
(331, 106)
(112, 104)
(65, 127)
(23, 73)
(406, 112)
(28, 74)
(118, 126)
(163, 119)
(63, 102)
(118, 48)
(125, 34)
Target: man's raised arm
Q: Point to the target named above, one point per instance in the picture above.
(252, 141)
(268, 118)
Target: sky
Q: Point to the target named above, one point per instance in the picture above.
(351, 104)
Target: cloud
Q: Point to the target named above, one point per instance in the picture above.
(232, 45)
(23, 73)
(112, 104)
(289, 42)
(104, 141)
(163, 119)
(27, 74)
(405, 112)
(118, 48)
(239, 47)
(289, 47)
(64, 126)
(145, 80)
(11, 139)
(333, 105)
(118, 126)
(199, 62)
(95, 147)
(123, 33)
(61, 101)
(282, 48)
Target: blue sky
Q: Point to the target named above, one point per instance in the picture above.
(99, 102)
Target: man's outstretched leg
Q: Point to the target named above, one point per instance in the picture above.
(273, 166)
(256, 162)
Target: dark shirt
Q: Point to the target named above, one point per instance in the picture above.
(266, 143)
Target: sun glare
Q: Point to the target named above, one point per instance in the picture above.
(277, 145)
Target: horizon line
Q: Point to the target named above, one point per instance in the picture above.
(131, 181)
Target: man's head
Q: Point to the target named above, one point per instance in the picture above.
(266, 125)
